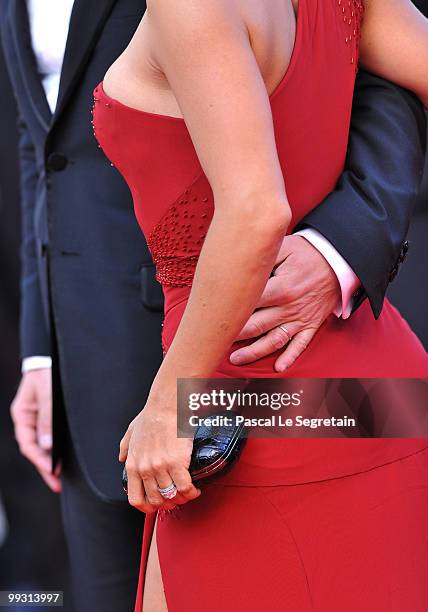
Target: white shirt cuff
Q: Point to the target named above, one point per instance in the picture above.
(35, 363)
(348, 280)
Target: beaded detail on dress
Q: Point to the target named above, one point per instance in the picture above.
(176, 241)
(352, 14)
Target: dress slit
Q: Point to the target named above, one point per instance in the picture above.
(149, 525)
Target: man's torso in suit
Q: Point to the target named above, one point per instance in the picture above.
(106, 303)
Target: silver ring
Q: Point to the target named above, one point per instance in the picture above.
(168, 492)
(285, 330)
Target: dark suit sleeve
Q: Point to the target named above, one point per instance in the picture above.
(34, 332)
(367, 217)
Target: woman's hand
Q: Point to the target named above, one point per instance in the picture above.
(154, 457)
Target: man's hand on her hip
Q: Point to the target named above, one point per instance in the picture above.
(300, 295)
(31, 412)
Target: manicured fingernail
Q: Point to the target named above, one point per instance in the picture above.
(45, 441)
(236, 359)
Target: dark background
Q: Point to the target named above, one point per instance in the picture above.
(33, 554)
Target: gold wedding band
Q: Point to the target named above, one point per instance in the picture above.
(286, 332)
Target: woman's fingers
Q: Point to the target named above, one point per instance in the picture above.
(186, 489)
(156, 458)
(143, 492)
(160, 478)
(274, 340)
(136, 493)
(124, 445)
(153, 496)
(294, 349)
(163, 481)
(146, 495)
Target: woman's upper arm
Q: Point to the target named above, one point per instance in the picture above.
(203, 48)
(394, 44)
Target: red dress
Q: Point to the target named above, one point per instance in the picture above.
(296, 525)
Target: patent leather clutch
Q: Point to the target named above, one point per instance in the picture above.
(217, 445)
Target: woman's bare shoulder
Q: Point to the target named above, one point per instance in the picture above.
(195, 26)
(191, 15)
(191, 32)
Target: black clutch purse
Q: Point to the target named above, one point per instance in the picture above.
(217, 444)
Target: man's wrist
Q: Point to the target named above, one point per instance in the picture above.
(36, 362)
(348, 280)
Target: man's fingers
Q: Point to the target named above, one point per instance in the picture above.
(44, 417)
(274, 340)
(41, 459)
(58, 469)
(274, 293)
(26, 437)
(31, 412)
(261, 322)
(53, 482)
(44, 425)
(294, 349)
(25, 396)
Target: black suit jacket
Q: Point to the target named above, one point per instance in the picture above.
(79, 229)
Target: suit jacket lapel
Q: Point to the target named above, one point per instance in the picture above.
(87, 20)
(20, 31)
